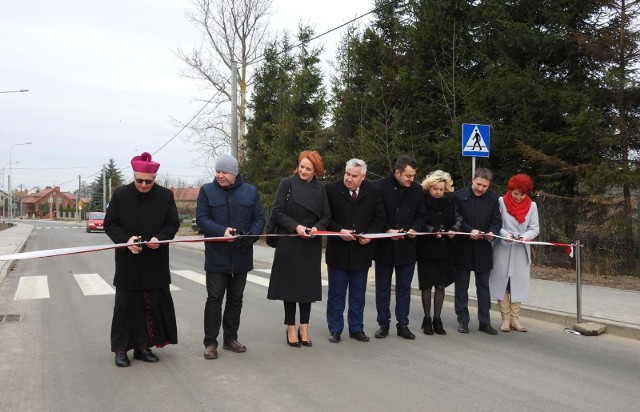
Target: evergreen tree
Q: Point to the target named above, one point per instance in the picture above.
(289, 106)
(113, 178)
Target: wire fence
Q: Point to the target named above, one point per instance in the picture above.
(606, 226)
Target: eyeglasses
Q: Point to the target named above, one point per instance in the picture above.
(145, 181)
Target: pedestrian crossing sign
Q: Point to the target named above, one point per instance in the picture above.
(475, 140)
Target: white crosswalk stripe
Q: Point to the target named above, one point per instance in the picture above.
(92, 284)
(191, 275)
(32, 287)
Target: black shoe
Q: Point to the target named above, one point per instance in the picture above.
(437, 327)
(306, 343)
(334, 337)
(426, 327)
(488, 329)
(122, 360)
(382, 333)
(145, 355)
(295, 344)
(404, 332)
(463, 328)
(359, 336)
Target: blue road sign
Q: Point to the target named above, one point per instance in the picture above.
(475, 140)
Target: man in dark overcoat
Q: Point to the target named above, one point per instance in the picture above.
(143, 315)
(405, 213)
(480, 217)
(356, 207)
(227, 206)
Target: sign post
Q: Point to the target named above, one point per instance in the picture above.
(475, 142)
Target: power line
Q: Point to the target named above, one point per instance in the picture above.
(260, 59)
(185, 125)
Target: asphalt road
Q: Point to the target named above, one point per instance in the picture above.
(58, 357)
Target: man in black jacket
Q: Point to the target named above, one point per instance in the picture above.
(356, 207)
(227, 206)
(480, 217)
(405, 213)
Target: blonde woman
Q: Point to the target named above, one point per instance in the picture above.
(435, 253)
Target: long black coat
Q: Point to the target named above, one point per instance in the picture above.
(441, 215)
(481, 213)
(404, 209)
(152, 214)
(295, 274)
(364, 215)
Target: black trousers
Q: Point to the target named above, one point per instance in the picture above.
(462, 296)
(290, 313)
(217, 285)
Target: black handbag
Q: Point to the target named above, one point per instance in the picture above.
(272, 227)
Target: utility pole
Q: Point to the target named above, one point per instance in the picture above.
(234, 109)
(104, 188)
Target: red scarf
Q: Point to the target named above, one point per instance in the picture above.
(517, 210)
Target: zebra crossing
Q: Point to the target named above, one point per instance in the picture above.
(92, 284)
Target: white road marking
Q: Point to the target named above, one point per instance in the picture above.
(191, 275)
(257, 279)
(92, 284)
(32, 287)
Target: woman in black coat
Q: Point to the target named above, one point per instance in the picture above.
(300, 207)
(435, 253)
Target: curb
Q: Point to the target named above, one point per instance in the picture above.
(6, 266)
(562, 318)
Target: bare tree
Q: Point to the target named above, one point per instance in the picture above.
(232, 30)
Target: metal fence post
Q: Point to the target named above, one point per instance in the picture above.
(578, 282)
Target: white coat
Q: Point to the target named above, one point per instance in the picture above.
(512, 260)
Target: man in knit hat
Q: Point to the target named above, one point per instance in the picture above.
(226, 207)
(146, 212)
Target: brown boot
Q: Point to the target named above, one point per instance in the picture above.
(505, 312)
(515, 314)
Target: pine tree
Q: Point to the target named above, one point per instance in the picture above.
(113, 178)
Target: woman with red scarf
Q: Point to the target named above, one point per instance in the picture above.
(509, 280)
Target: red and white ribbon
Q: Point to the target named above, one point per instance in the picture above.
(84, 249)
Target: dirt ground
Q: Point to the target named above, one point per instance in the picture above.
(547, 273)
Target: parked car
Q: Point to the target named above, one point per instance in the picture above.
(95, 221)
(194, 226)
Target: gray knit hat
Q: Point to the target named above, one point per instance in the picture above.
(227, 163)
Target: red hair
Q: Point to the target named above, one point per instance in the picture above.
(520, 182)
(316, 160)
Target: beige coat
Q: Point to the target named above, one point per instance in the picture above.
(512, 260)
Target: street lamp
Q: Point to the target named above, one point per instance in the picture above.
(9, 180)
(4, 169)
(15, 91)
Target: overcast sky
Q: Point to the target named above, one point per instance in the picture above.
(104, 83)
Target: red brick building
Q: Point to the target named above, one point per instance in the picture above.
(40, 204)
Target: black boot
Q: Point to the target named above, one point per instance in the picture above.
(426, 326)
(437, 326)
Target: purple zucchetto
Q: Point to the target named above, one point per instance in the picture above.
(144, 164)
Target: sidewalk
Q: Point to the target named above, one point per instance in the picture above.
(12, 240)
(548, 301)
